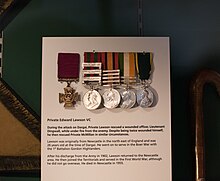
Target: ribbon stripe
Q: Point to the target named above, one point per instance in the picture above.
(116, 66)
(131, 65)
(109, 61)
(126, 65)
(121, 63)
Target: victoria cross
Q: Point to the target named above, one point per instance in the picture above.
(69, 98)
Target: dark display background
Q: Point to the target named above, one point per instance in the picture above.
(194, 30)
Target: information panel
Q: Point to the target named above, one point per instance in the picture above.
(106, 109)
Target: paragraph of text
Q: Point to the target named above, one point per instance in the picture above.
(102, 130)
(99, 159)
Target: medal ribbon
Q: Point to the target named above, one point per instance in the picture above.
(68, 66)
(144, 62)
(109, 60)
(91, 57)
(112, 61)
(94, 57)
(129, 72)
(128, 65)
(92, 68)
(111, 68)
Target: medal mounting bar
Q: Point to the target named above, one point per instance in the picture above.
(68, 80)
(92, 73)
(111, 77)
(128, 80)
(94, 65)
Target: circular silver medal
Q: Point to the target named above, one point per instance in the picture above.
(92, 100)
(111, 98)
(145, 98)
(128, 99)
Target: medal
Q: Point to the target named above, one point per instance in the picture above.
(68, 71)
(111, 78)
(111, 98)
(92, 100)
(92, 70)
(128, 99)
(128, 77)
(145, 97)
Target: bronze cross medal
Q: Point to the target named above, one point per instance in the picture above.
(69, 97)
(68, 71)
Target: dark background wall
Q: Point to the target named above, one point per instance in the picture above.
(194, 30)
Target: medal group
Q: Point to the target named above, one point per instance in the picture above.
(113, 79)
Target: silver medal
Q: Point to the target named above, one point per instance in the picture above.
(128, 99)
(111, 98)
(145, 98)
(91, 78)
(92, 100)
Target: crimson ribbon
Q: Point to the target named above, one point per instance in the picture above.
(68, 65)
